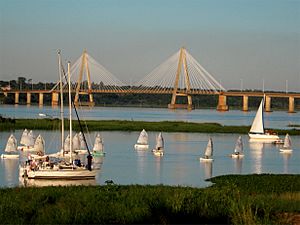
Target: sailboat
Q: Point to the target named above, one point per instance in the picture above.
(27, 141)
(81, 149)
(238, 150)
(159, 147)
(208, 152)
(142, 141)
(39, 147)
(11, 148)
(257, 131)
(98, 146)
(287, 146)
(60, 169)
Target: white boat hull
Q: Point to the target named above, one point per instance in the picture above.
(263, 137)
(9, 156)
(78, 173)
(81, 151)
(158, 152)
(26, 148)
(236, 156)
(283, 150)
(141, 147)
(205, 159)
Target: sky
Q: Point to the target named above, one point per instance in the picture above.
(249, 44)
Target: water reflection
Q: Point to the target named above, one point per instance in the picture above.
(238, 163)
(286, 157)
(158, 170)
(141, 159)
(11, 170)
(207, 166)
(256, 152)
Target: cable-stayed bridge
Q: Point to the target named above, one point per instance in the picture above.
(181, 75)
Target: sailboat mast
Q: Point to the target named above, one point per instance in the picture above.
(61, 103)
(70, 111)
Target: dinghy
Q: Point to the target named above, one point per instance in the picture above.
(208, 152)
(287, 146)
(142, 141)
(11, 148)
(98, 146)
(159, 147)
(238, 150)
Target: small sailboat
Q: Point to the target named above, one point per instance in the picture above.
(142, 141)
(208, 152)
(257, 131)
(238, 150)
(78, 144)
(98, 149)
(11, 148)
(287, 146)
(27, 141)
(159, 147)
(39, 147)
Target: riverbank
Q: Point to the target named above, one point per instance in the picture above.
(126, 125)
(233, 199)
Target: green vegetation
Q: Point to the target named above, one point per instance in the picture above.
(233, 199)
(125, 125)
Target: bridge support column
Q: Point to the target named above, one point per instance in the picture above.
(28, 98)
(245, 103)
(54, 99)
(222, 105)
(291, 104)
(17, 94)
(41, 99)
(268, 104)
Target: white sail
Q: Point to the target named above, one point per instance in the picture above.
(209, 148)
(143, 138)
(82, 142)
(239, 145)
(67, 144)
(11, 145)
(287, 142)
(39, 145)
(76, 142)
(31, 138)
(24, 137)
(258, 122)
(98, 145)
(159, 141)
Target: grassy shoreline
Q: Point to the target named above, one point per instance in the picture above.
(126, 125)
(233, 199)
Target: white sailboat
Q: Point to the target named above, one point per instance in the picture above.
(72, 169)
(257, 131)
(208, 152)
(287, 146)
(142, 141)
(238, 150)
(159, 147)
(98, 149)
(82, 147)
(11, 148)
(27, 141)
(39, 147)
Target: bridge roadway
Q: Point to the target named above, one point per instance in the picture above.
(222, 103)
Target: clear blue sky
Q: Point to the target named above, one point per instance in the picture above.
(235, 40)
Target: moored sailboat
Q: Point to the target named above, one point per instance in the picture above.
(238, 150)
(27, 141)
(287, 146)
(10, 148)
(159, 147)
(142, 141)
(98, 149)
(208, 152)
(257, 131)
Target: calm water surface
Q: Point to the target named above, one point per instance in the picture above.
(179, 166)
(276, 119)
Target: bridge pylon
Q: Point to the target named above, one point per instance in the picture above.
(79, 86)
(182, 92)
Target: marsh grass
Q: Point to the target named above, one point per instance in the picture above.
(228, 201)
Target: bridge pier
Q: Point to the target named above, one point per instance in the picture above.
(28, 98)
(17, 95)
(245, 103)
(268, 104)
(222, 105)
(291, 105)
(54, 99)
(41, 99)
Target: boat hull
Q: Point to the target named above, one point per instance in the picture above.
(141, 147)
(236, 156)
(79, 174)
(205, 159)
(26, 148)
(263, 137)
(9, 156)
(158, 152)
(283, 150)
